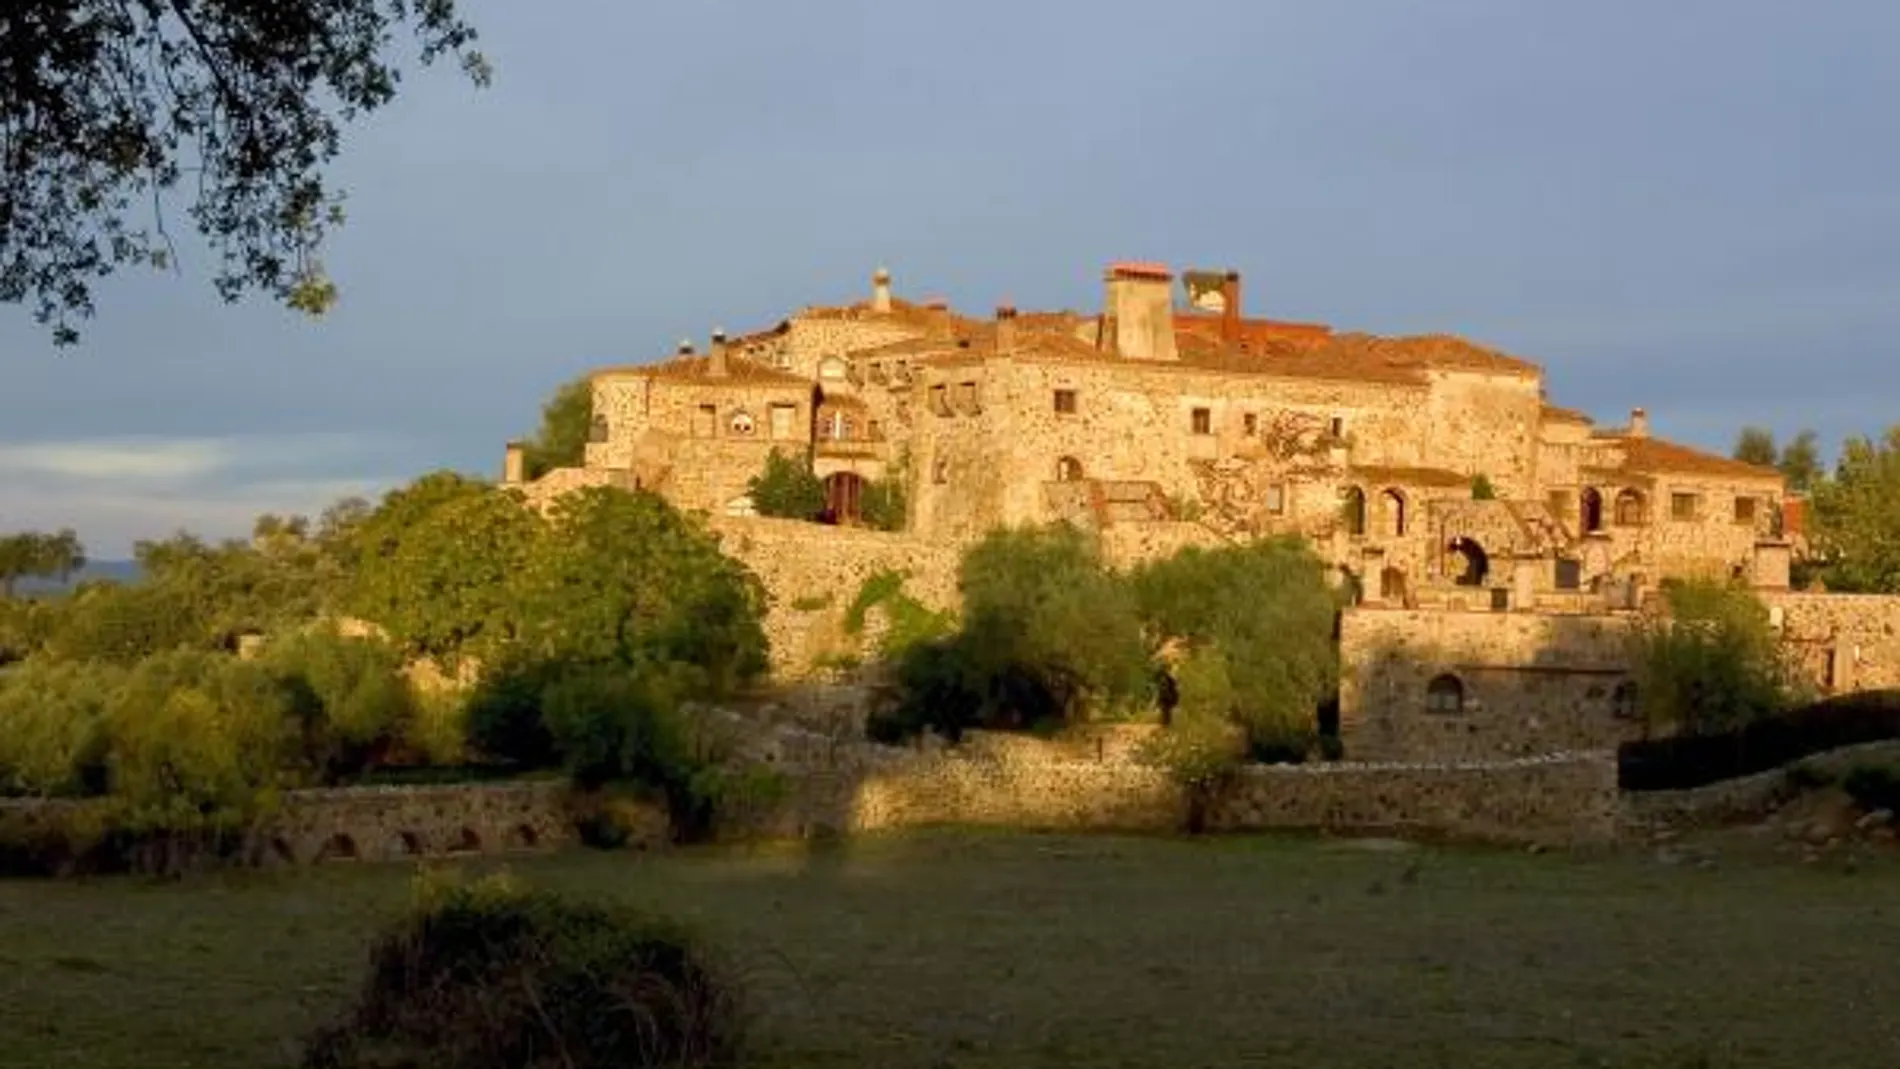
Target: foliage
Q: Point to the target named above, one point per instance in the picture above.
(1799, 461)
(883, 504)
(31, 554)
(1481, 488)
(354, 708)
(1755, 445)
(1200, 746)
(1712, 663)
(1873, 787)
(1263, 614)
(1857, 515)
(811, 603)
(489, 975)
(105, 107)
(787, 488)
(53, 727)
(567, 423)
(909, 622)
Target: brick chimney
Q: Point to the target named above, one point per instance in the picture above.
(881, 290)
(1639, 423)
(1138, 311)
(716, 355)
(1005, 328)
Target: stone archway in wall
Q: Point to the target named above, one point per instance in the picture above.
(1392, 584)
(1590, 509)
(1473, 563)
(844, 496)
(1391, 513)
(1632, 508)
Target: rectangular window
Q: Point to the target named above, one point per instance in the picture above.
(705, 421)
(1745, 510)
(967, 399)
(1684, 506)
(1202, 420)
(1250, 423)
(1339, 427)
(1065, 402)
(940, 399)
(1276, 499)
(784, 422)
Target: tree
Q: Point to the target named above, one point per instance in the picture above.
(105, 106)
(39, 556)
(1800, 462)
(1755, 445)
(1481, 488)
(1857, 516)
(1710, 662)
(567, 422)
(787, 488)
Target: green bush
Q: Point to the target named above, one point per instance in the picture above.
(883, 504)
(490, 976)
(1711, 663)
(53, 735)
(1873, 787)
(787, 488)
(350, 697)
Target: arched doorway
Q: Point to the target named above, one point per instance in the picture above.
(1392, 514)
(1068, 470)
(1476, 562)
(1445, 694)
(1591, 504)
(844, 492)
(1630, 508)
(1355, 511)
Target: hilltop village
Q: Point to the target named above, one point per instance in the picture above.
(1500, 542)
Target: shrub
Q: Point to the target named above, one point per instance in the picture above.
(787, 488)
(349, 695)
(883, 504)
(490, 976)
(53, 727)
(1873, 787)
(1481, 488)
(1711, 663)
(1202, 747)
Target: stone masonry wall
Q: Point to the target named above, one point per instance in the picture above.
(1845, 642)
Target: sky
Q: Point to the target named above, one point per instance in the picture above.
(1692, 206)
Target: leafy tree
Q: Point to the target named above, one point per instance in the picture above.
(1260, 613)
(787, 488)
(1800, 462)
(567, 422)
(349, 697)
(1201, 748)
(52, 727)
(1756, 445)
(1857, 516)
(1711, 662)
(40, 556)
(884, 504)
(125, 623)
(1481, 488)
(105, 106)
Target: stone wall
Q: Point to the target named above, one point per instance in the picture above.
(1747, 798)
(1844, 642)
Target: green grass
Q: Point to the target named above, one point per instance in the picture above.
(971, 949)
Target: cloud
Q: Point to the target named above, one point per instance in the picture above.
(122, 459)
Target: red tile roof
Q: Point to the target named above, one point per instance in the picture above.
(1657, 456)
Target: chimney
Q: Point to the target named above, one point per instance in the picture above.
(514, 464)
(881, 290)
(1005, 328)
(716, 355)
(1639, 423)
(1230, 309)
(1138, 311)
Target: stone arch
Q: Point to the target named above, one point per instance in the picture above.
(280, 853)
(1392, 512)
(1632, 508)
(1590, 509)
(523, 837)
(1623, 701)
(405, 844)
(466, 841)
(1354, 508)
(1392, 584)
(1477, 563)
(1068, 470)
(338, 847)
(844, 494)
(1445, 694)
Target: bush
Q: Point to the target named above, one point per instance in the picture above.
(1873, 787)
(788, 489)
(53, 727)
(1712, 663)
(350, 697)
(490, 976)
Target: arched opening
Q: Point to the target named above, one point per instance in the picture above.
(1392, 584)
(1392, 513)
(1445, 694)
(338, 847)
(405, 844)
(1631, 509)
(1355, 511)
(1068, 470)
(1623, 703)
(466, 842)
(523, 837)
(1590, 504)
(844, 493)
(1476, 564)
(281, 853)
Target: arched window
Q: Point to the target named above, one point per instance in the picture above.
(1592, 509)
(1355, 511)
(1445, 694)
(1477, 563)
(1392, 513)
(1068, 470)
(1631, 509)
(1623, 703)
(742, 423)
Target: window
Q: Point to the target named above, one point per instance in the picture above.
(597, 429)
(784, 421)
(1623, 703)
(1445, 695)
(704, 421)
(1250, 423)
(1339, 427)
(1065, 402)
(1068, 470)
(742, 424)
(1745, 509)
(1202, 420)
(1630, 509)
(940, 470)
(1591, 504)
(1276, 499)
(967, 399)
(1684, 507)
(1355, 509)
(940, 399)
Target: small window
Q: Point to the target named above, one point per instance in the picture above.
(1683, 507)
(784, 421)
(940, 399)
(1202, 420)
(940, 470)
(1250, 423)
(1339, 427)
(1445, 695)
(705, 421)
(1745, 510)
(968, 399)
(742, 424)
(1065, 402)
(1276, 499)
(1068, 470)
(1623, 703)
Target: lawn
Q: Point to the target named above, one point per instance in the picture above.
(975, 949)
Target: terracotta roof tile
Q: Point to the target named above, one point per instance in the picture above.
(1565, 415)
(1408, 476)
(1657, 456)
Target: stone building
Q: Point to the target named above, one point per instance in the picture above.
(1433, 474)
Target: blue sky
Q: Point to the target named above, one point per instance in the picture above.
(1691, 206)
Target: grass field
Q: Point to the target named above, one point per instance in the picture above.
(971, 949)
